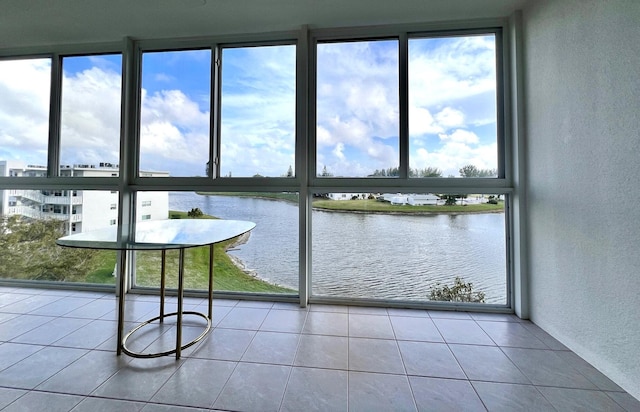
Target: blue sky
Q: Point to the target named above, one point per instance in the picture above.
(451, 97)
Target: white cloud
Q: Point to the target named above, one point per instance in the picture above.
(449, 118)
(452, 91)
(164, 78)
(90, 117)
(338, 151)
(421, 122)
(24, 109)
(460, 136)
(452, 72)
(454, 155)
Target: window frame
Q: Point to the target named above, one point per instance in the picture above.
(305, 180)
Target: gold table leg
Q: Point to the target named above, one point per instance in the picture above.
(122, 341)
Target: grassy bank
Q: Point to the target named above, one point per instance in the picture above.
(368, 205)
(386, 207)
(226, 274)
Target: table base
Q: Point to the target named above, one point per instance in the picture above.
(133, 354)
(122, 339)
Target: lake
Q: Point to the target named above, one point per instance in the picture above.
(356, 255)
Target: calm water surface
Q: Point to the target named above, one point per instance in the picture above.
(366, 255)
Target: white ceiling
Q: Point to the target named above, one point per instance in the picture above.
(25, 23)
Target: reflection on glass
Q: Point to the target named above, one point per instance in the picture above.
(90, 133)
(452, 107)
(258, 111)
(357, 124)
(32, 220)
(175, 107)
(25, 87)
(264, 260)
(409, 247)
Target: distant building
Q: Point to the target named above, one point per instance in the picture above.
(424, 199)
(81, 210)
(411, 199)
(347, 196)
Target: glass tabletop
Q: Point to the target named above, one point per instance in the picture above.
(161, 234)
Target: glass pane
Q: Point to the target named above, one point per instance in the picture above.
(174, 125)
(258, 111)
(452, 107)
(409, 247)
(25, 86)
(90, 134)
(357, 122)
(263, 261)
(32, 220)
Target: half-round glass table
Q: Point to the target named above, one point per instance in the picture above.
(161, 235)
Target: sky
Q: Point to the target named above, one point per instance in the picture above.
(452, 108)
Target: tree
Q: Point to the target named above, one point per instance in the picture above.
(459, 292)
(429, 172)
(290, 172)
(326, 173)
(449, 200)
(28, 251)
(473, 171)
(395, 171)
(469, 171)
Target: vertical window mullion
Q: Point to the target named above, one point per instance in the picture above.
(215, 112)
(129, 153)
(55, 104)
(500, 105)
(403, 103)
(305, 150)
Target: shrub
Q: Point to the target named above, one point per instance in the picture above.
(459, 292)
(195, 212)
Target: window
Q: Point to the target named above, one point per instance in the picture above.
(264, 260)
(357, 125)
(354, 160)
(29, 229)
(90, 115)
(257, 134)
(404, 246)
(24, 116)
(391, 242)
(453, 106)
(175, 113)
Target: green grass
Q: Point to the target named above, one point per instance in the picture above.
(226, 275)
(104, 263)
(386, 207)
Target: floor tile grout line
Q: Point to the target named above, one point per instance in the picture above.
(596, 388)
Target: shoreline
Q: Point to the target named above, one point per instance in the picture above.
(417, 213)
(385, 212)
(240, 240)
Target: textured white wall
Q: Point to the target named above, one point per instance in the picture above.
(582, 83)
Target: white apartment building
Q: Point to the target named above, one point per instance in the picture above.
(82, 210)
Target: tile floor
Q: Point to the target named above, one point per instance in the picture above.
(57, 353)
